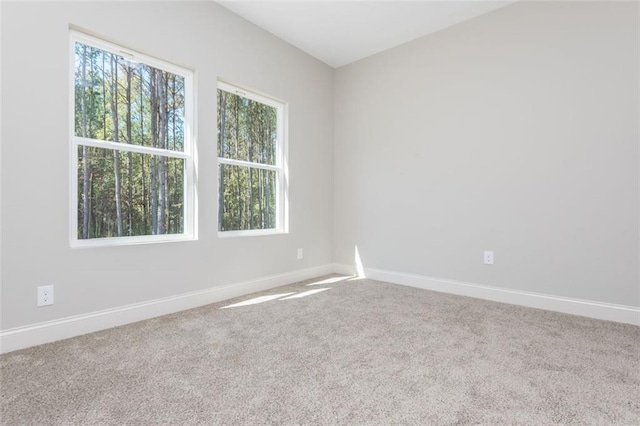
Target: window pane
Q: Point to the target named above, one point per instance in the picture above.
(121, 101)
(128, 194)
(247, 129)
(247, 198)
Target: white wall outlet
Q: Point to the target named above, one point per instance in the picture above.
(488, 258)
(300, 254)
(45, 295)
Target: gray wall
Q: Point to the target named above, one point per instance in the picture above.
(35, 156)
(515, 132)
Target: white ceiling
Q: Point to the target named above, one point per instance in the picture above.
(341, 32)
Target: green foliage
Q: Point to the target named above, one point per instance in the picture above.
(123, 193)
(248, 132)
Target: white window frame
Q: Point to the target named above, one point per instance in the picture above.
(188, 154)
(281, 166)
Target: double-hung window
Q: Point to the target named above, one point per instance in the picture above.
(132, 153)
(251, 163)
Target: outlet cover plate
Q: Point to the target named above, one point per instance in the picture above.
(45, 295)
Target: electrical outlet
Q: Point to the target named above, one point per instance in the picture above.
(45, 295)
(488, 258)
(300, 254)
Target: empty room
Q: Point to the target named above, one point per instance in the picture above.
(319, 212)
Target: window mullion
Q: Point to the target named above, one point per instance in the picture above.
(243, 163)
(80, 141)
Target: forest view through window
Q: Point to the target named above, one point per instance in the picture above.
(250, 157)
(131, 142)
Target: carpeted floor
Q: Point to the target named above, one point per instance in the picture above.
(334, 351)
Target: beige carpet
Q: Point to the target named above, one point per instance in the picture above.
(353, 352)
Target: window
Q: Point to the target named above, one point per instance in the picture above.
(251, 160)
(132, 165)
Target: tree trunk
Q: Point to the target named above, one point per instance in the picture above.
(163, 123)
(129, 157)
(177, 224)
(154, 142)
(222, 127)
(250, 154)
(116, 153)
(145, 202)
(238, 182)
(86, 161)
(267, 196)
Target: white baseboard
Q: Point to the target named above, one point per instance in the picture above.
(344, 269)
(586, 308)
(50, 331)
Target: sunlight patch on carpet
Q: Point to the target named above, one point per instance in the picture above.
(305, 293)
(331, 280)
(257, 300)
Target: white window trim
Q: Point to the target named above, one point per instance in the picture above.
(281, 166)
(189, 153)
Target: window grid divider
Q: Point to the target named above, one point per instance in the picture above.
(244, 163)
(119, 146)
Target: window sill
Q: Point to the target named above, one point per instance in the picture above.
(250, 233)
(130, 241)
